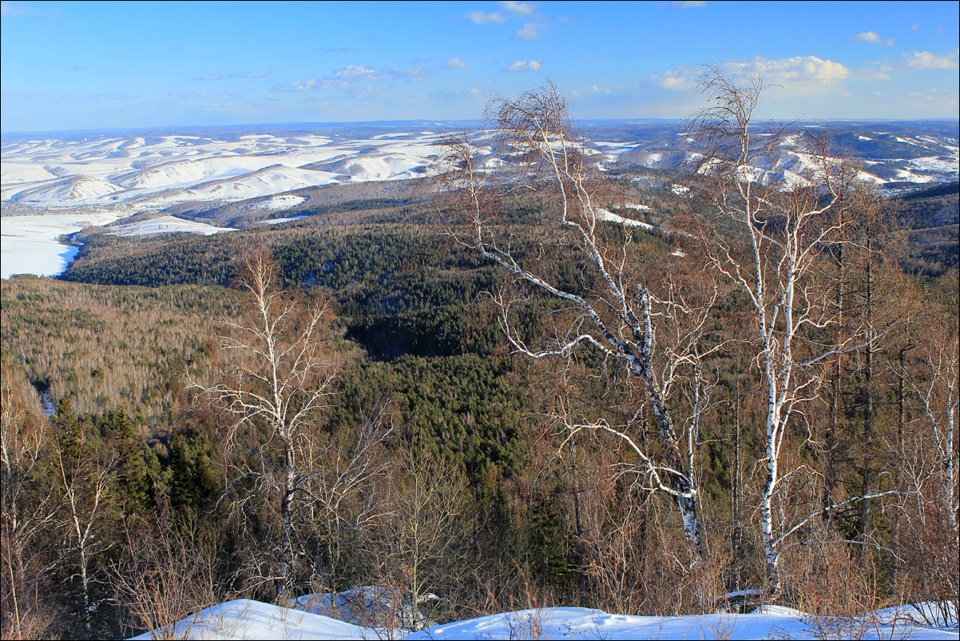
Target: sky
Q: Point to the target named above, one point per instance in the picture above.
(115, 65)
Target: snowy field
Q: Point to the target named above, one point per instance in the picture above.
(166, 225)
(244, 619)
(29, 245)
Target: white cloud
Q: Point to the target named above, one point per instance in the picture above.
(353, 72)
(797, 75)
(680, 79)
(929, 60)
(529, 31)
(479, 17)
(936, 100)
(590, 91)
(873, 36)
(798, 68)
(301, 85)
(881, 70)
(519, 8)
(456, 62)
(688, 4)
(356, 77)
(523, 65)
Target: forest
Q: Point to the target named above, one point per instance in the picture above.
(515, 388)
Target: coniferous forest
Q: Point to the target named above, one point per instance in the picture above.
(508, 389)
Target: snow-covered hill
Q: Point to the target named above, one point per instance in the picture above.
(150, 173)
(260, 172)
(155, 171)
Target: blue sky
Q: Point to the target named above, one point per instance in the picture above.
(92, 65)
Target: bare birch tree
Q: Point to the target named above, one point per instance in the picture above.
(657, 339)
(785, 220)
(279, 385)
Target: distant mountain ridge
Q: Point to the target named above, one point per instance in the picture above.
(162, 170)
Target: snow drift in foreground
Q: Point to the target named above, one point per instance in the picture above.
(243, 619)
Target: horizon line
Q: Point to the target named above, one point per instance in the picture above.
(452, 122)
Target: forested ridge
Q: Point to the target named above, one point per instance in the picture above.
(448, 343)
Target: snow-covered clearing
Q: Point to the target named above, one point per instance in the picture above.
(279, 203)
(124, 176)
(166, 225)
(277, 221)
(937, 164)
(609, 216)
(243, 619)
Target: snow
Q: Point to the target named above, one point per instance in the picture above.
(936, 164)
(868, 177)
(277, 221)
(609, 216)
(906, 175)
(370, 605)
(243, 619)
(166, 225)
(905, 140)
(279, 203)
(29, 245)
(614, 147)
(117, 176)
(149, 173)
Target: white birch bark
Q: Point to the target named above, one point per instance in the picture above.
(623, 318)
(786, 227)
